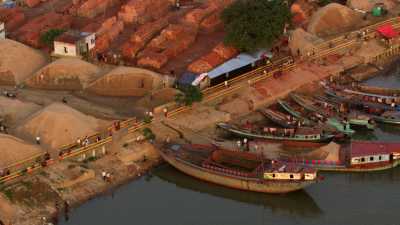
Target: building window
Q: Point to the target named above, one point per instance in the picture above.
(92, 41)
(380, 157)
(65, 50)
(362, 159)
(371, 158)
(291, 176)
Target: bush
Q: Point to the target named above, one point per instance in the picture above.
(189, 95)
(48, 37)
(148, 134)
(255, 24)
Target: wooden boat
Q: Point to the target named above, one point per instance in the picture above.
(279, 118)
(361, 156)
(378, 113)
(300, 134)
(378, 90)
(332, 111)
(238, 170)
(288, 108)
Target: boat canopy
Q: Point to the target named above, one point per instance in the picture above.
(366, 148)
(239, 61)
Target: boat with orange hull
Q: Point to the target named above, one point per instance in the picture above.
(238, 170)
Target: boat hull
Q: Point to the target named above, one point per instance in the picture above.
(255, 185)
(385, 166)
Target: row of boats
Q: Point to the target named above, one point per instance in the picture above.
(311, 120)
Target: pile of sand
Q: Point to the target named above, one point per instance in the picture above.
(332, 19)
(58, 125)
(367, 5)
(13, 150)
(126, 81)
(329, 152)
(13, 110)
(302, 41)
(18, 62)
(370, 49)
(65, 74)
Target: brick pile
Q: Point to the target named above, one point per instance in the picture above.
(12, 18)
(31, 31)
(92, 8)
(217, 56)
(196, 16)
(173, 40)
(141, 37)
(211, 23)
(106, 33)
(143, 11)
(31, 3)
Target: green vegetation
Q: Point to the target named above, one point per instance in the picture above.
(147, 119)
(254, 24)
(324, 2)
(9, 194)
(189, 95)
(148, 134)
(48, 37)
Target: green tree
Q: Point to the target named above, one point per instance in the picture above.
(324, 2)
(148, 134)
(254, 24)
(48, 37)
(189, 95)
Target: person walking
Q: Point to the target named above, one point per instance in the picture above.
(38, 140)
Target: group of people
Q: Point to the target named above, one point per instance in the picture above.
(106, 176)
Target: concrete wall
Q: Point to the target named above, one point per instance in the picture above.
(91, 40)
(64, 49)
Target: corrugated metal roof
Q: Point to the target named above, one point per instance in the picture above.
(239, 61)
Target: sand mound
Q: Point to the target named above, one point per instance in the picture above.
(333, 18)
(58, 125)
(17, 62)
(13, 150)
(13, 110)
(367, 5)
(370, 49)
(302, 41)
(126, 81)
(65, 74)
(329, 152)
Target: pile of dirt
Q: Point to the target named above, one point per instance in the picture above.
(13, 150)
(14, 110)
(58, 125)
(12, 18)
(142, 11)
(302, 42)
(65, 74)
(30, 32)
(17, 62)
(329, 152)
(217, 56)
(370, 49)
(126, 81)
(367, 5)
(332, 19)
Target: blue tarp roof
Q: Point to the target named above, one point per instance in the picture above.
(239, 61)
(187, 78)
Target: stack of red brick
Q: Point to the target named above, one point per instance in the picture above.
(13, 18)
(106, 32)
(33, 3)
(31, 31)
(173, 40)
(217, 56)
(92, 8)
(141, 37)
(142, 11)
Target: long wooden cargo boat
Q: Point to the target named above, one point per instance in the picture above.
(319, 118)
(379, 114)
(330, 110)
(238, 170)
(282, 119)
(360, 156)
(286, 106)
(379, 90)
(301, 134)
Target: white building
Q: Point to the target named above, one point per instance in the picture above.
(2, 30)
(74, 43)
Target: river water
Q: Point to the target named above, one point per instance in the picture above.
(168, 197)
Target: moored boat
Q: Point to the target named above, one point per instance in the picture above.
(239, 170)
(279, 118)
(359, 156)
(300, 134)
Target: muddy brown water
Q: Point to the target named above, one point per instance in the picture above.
(169, 197)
